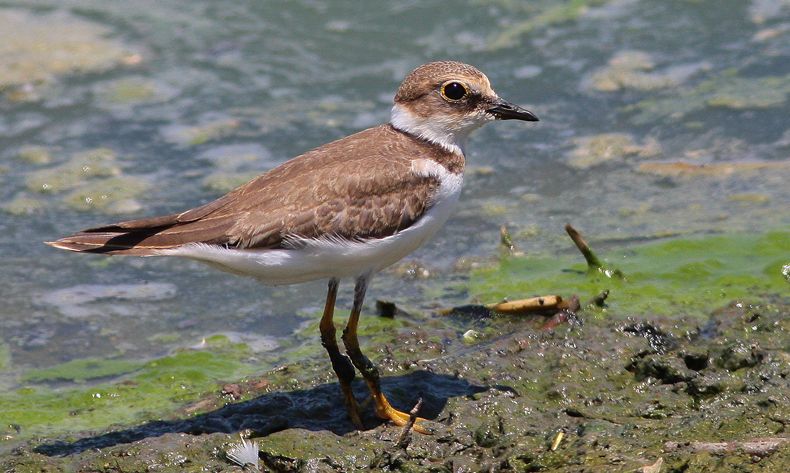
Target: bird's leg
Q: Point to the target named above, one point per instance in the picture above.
(369, 371)
(341, 364)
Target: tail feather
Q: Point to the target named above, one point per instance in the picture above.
(140, 240)
(109, 243)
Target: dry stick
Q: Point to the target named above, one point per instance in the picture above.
(541, 304)
(405, 435)
(533, 304)
(578, 240)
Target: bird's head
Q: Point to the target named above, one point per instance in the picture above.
(444, 101)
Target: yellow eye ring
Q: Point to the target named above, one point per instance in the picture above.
(454, 91)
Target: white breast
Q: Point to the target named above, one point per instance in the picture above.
(329, 257)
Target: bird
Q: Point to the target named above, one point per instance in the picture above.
(346, 209)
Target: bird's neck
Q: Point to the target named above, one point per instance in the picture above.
(433, 129)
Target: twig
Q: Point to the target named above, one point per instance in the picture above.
(405, 435)
(533, 304)
(556, 443)
(592, 261)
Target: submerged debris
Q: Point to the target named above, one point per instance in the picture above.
(389, 310)
(600, 299)
(566, 314)
(506, 240)
(471, 336)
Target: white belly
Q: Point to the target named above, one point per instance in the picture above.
(331, 257)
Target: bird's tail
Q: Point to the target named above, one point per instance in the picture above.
(149, 236)
(131, 243)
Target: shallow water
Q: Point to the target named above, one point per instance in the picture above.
(658, 119)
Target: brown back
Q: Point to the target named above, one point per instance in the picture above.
(358, 187)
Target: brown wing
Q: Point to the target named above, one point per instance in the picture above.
(359, 187)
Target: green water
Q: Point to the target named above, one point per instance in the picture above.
(659, 120)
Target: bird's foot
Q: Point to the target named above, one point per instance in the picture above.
(384, 410)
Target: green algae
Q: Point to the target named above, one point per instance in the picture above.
(373, 331)
(140, 390)
(37, 48)
(628, 70)
(724, 91)
(686, 276)
(90, 180)
(168, 453)
(95, 163)
(38, 155)
(81, 370)
(203, 133)
(226, 181)
(130, 90)
(590, 151)
(541, 16)
(5, 356)
(113, 195)
(24, 204)
(287, 450)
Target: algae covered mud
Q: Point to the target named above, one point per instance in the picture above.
(664, 139)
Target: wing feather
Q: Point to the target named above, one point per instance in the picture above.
(358, 187)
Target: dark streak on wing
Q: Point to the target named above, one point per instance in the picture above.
(361, 186)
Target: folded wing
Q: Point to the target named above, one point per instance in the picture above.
(347, 189)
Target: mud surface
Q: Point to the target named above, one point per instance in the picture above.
(703, 395)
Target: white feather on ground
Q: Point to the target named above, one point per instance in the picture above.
(244, 453)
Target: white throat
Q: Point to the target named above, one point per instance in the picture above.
(445, 132)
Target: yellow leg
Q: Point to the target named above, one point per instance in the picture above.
(369, 371)
(341, 364)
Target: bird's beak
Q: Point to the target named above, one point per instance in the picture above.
(503, 110)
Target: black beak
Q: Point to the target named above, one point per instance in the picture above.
(503, 110)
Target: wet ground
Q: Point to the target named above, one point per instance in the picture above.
(705, 394)
(663, 137)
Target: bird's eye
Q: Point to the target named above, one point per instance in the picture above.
(454, 91)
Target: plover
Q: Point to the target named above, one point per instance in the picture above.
(346, 209)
